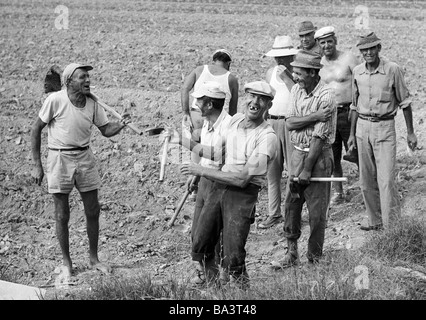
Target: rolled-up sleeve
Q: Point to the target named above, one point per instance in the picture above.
(402, 93)
(324, 130)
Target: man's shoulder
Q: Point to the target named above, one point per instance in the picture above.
(360, 68)
(57, 96)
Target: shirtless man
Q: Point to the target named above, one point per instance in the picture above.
(337, 74)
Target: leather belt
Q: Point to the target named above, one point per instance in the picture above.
(271, 116)
(71, 149)
(375, 119)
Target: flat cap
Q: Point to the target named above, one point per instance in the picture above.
(210, 89)
(324, 32)
(69, 70)
(260, 87)
(307, 59)
(368, 41)
(306, 27)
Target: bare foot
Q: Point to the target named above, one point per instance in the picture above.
(103, 267)
(63, 278)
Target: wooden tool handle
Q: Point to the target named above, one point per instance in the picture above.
(179, 208)
(164, 157)
(114, 113)
(324, 179)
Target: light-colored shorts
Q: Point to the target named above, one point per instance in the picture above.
(66, 169)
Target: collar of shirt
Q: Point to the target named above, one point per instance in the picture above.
(315, 92)
(217, 122)
(380, 68)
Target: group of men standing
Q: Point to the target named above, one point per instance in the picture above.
(314, 100)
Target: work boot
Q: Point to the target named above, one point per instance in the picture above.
(206, 273)
(269, 222)
(290, 259)
(241, 280)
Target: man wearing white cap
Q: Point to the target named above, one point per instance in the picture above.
(312, 134)
(209, 98)
(379, 89)
(281, 79)
(337, 73)
(70, 115)
(217, 71)
(230, 206)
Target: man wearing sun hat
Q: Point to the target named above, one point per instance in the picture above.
(281, 79)
(307, 40)
(70, 115)
(337, 74)
(217, 71)
(230, 206)
(379, 89)
(311, 120)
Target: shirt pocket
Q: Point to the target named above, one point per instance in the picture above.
(384, 96)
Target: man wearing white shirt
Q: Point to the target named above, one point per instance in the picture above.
(279, 77)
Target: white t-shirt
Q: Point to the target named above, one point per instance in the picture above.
(205, 76)
(241, 144)
(69, 126)
(215, 137)
(281, 101)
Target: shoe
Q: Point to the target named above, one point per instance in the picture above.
(290, 259)
(351, 156)
(369, 228)
(271, 221)
(337, 199)
(193, 195)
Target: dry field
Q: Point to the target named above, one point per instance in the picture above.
(141, 51)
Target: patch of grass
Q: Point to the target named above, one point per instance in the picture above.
(405, 241)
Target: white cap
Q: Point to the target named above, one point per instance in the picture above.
(324, 32)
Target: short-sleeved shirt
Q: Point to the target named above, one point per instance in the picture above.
(303, 104)
(379, 93)
(215, 137)
(242, 143)
(68, 125)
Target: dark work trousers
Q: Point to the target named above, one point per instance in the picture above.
(230, 210)
(343, 131)
(316, 195)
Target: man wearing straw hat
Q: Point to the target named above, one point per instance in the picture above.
(337, 74)
(378, 90)
(312, 156)
(281, 79)
(307, 39)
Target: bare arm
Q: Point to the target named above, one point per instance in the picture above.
(315, 148)
(411, 136)
(37, 172)
(233, 86)
(297, 123)
(111, 128)
(256, 165)
(187, 86)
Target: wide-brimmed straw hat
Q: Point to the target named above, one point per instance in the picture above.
(283, 46)
(307, 59)
(368, 41)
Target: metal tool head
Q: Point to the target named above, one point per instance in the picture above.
(154, 131)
